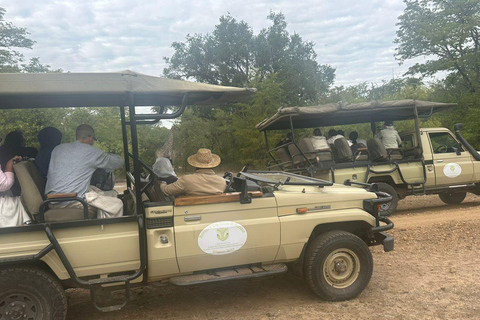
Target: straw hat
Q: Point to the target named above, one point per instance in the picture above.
(203, 159)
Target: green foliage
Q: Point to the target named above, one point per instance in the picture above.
(232, 55)
(12, 38)
(445, 31)
(281, 66)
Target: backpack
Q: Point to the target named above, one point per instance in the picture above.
(103, 179)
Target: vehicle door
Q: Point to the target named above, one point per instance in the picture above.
(452, 164)
(218, 235)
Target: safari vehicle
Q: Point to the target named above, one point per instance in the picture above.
(430, 160)
(263, 222)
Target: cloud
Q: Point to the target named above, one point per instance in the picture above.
(355, 37)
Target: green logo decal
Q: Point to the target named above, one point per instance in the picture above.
(222, 234)
(452, 168)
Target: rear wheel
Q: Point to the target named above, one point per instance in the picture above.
(338, 266)
(29, 293)
(452, 198)
(388, 208)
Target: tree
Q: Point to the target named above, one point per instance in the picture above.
(447, 33)
(12, 38)
(232, 55)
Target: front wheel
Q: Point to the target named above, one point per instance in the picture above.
(452, 198)
(29, 293)
(338, 266)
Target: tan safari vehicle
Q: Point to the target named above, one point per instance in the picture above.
(264, 223)
(430, 160)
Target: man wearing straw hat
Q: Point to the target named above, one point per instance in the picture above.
(203, 181)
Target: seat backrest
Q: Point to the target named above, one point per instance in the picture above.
(343, 151)
(297, 157)
(282, 153)
(319, 143)
(377, 150)
(32, 183)
(306, 146)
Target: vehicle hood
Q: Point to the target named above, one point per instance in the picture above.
(335, 197)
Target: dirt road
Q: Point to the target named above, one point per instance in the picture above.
(433, 273)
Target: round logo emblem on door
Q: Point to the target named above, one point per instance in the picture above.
(222, 237)
(452, 170)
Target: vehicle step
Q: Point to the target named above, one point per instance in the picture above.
(229, 274)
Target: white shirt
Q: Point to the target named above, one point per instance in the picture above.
(390, 138)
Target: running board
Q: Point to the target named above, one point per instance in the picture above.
(229, 274)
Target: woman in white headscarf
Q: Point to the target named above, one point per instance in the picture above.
(12, 212)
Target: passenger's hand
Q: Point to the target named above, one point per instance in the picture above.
(9, 167)
(16, 159)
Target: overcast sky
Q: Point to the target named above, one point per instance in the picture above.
(354, 36)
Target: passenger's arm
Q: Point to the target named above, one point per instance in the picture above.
(7, 178)
(173, 189)
(107, 161)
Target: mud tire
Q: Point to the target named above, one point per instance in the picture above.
(338, 266)
(31, 293)
(452, 198)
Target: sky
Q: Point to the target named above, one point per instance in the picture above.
(354, 36)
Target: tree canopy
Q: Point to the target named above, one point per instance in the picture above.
(447, 33)
(233, 55)
(13, 38)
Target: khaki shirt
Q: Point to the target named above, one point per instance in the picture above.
(202, 182)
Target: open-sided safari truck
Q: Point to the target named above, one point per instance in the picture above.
(430, 160)
(263, 221)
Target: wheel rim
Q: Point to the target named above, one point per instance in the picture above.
(341, 268)
(20, 305)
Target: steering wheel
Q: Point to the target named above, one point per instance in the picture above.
(228, 176)
(441, 149)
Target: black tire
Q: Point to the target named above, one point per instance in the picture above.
(338, 266)
(30, 293)
(387, 209)
(452, 198)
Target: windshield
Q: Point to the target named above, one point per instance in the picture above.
(286, 178)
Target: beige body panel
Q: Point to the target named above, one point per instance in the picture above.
(337, 203)
(296, 229)
(92, 250)
(259, 219)
(162, 260)
(440, 160)
(412, 173)
(276, 232)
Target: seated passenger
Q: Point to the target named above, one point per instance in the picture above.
(12, 212)
(14, 145)
(319, 142)
(203, 181)
(332, 133)
(356, 143)
(389, 136)
(163, 169)
(49, 138)
(71, 168)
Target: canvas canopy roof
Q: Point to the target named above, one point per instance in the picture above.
(350, 113)
(24, 90)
